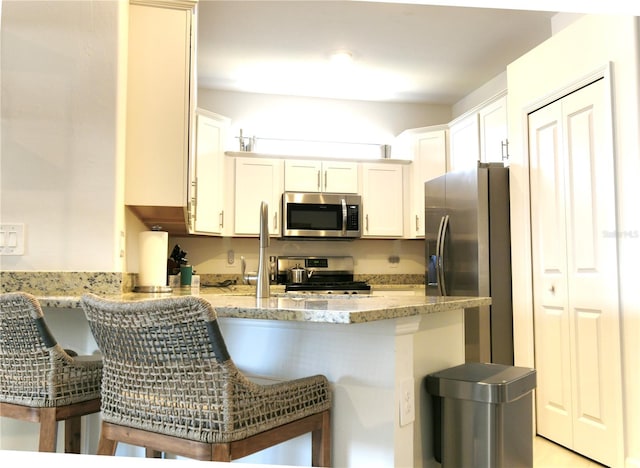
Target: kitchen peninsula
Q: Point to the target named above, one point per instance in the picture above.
(375, 351)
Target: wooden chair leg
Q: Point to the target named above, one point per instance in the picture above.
(321, 443)
(150, 453)
(106, 446)
(48, 430)
(72, 430)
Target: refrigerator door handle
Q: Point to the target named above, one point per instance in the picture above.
(439, 258)
(442, 238)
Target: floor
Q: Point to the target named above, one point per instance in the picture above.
(547, 454)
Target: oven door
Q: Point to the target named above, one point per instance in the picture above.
(313, 215)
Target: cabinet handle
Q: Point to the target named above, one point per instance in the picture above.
(319, 181)
(504, 151)
(325, 180)
(417, 223)
(366, 222)
(275, 221)
(221, 218)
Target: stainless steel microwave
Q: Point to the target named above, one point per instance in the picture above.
(321, 215)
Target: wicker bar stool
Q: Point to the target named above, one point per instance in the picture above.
(170, 386)
(39, 380)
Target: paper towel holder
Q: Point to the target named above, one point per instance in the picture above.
(153, 289)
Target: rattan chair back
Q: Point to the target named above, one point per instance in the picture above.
(39, 380)
(167, 371)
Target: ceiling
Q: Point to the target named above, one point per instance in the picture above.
(401, 52)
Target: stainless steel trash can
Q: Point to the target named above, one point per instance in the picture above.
(483, 415)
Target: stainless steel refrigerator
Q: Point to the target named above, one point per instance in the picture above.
(468, 253)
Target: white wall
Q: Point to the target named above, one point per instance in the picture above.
(573, 53)
(273, 116)
(61, 134)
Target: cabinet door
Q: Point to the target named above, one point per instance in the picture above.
(257, 180)
(207, 175)
(429, 161)
(493, 131)
(320, 176)
(382, 200)
(576, 311)
(339, 177)
(302, 175)
(464, 151)
(158, 105)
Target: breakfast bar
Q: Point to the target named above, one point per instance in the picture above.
(375, 351)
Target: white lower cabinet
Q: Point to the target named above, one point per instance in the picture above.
(383, 200)
(257, 180)
(575, 279)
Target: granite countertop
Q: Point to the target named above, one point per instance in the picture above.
(303, 307)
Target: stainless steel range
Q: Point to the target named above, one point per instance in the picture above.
(319, 275)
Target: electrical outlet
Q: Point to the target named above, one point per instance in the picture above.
(407, 402)
(12, 239)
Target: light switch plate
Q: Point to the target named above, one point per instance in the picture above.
(12, 239)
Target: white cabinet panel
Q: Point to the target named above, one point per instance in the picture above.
(429, 161)
(206, 196)
(493, 131)
(382, 200)
(464, 151)
(257, 180)
(320, 176)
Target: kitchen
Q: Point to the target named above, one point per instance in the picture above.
(87, 198)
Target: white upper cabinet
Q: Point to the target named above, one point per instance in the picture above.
(382, 200)
(320, 176)
(493, 131)
(429, 161)
(257, 180)
(159, 105)
(206, 190)
(464, 144)
(480, 135)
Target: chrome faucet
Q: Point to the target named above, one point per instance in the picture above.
(262, 286)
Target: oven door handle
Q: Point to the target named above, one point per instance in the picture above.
(344, 217)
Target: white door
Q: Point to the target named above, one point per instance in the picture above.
(382, 195)
(576, 314)
(464, 143)
(302, 175)
(493, 131)
(339, 177)
(206, 192)
(257, 179)
(429, 161)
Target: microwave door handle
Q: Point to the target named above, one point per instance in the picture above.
(443, 243)
(344, 217)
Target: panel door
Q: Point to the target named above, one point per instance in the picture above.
(382, 198)
(551, 315)
(257, 179)
(339, 177)
(207, 209)
(577, 336)
(464, 150)
(592, 275)
(493, 131)
(429, 162)
(302, 175)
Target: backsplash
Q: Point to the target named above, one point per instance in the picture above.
(71, 283)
